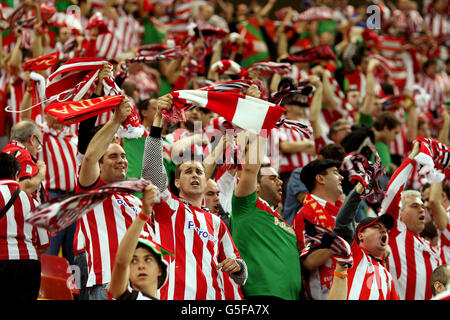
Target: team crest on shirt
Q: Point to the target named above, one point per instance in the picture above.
(29, 169)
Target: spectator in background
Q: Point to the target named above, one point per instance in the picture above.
(25, 143)
(440, 280)
(20, 243)
(320, 206)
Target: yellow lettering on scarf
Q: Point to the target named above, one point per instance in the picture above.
(62, 110)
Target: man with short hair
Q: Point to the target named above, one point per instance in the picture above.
(104, 226)
(320, 206)
(440, 280)
(412, 258)
(369, 246)
(25, 144)
(266, 242)
(212, 202)
(205, 255)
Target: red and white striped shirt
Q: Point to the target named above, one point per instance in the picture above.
(436, 88)
(291, 161)
(19, 240)
(444, 241)
(391, 50)
(200, 241)
(125, 35)
(412, 258)
(103, 228)
(368, 279)
(59, 153)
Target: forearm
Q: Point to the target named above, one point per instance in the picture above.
(101, 141)
(316, 259)
(345, 219)
(437, 211)
(316, 104)
(31, 185)
(25, 104)
(412, 124)
(329, 98)
(443, 134)
(296, 147)
(152, 162)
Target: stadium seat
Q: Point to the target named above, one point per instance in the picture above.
(54, 288)
(58, 267)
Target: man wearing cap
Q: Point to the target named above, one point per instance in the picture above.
(320, 206)
(368, 278)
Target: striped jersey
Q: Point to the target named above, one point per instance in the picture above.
(125, 34)
(19, 240)
(412, 258)
(369, 279)
(103, 227)
(436, 88)
(200, 241)
(291, 161)
(391, 50)
(444, 242)
(59, 153)
(317, 283)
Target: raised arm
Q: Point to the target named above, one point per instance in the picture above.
(120, 275)
(90, 169)
(152, 162)
(437, 210)
(390, 203)
(316, 106)
(248, 179)
(345, 219)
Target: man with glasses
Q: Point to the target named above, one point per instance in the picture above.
(25, 144)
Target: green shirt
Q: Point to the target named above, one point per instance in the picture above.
(268, 246)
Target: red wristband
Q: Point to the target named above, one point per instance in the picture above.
(143, 217)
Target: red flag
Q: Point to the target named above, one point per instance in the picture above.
(42, 62)
(68, 112)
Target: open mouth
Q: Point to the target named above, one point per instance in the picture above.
(216, 208)
(384, 240)
(195, 183)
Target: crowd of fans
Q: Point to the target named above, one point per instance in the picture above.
(344, 196)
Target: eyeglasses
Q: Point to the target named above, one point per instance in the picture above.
(40, 143)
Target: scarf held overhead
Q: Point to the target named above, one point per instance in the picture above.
(246, 112)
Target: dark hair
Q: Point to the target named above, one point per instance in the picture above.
(439, 274)
(259, 176)
(446, 189)
(429, 231)
(142, 105)
(333, 151)
(388, 119)
(9, 166)
(178, 167)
